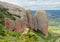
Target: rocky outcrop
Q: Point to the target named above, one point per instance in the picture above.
(12, 8)
(37, 21)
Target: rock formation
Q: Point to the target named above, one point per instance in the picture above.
(18, 27)
(37, 21)
(12, 8)
(9, 24)
(42, 21)
(30, 19)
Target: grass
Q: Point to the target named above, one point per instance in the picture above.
(12, 36)
(54, 35)
(4, 13)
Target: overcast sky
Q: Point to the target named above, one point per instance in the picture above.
(37, 4)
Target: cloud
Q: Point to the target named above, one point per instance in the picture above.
(37, 4)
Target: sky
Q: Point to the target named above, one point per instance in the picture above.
(37, 4)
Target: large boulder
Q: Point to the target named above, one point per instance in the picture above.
(12, 8)
(42, 21)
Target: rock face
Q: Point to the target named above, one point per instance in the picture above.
(30, 19)
(42, 21)
(9, 24)
(38, 21)
(13, 9)
(18, 27)
(35, 22)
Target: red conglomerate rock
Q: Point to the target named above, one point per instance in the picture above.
(9, 24)
(18, 26)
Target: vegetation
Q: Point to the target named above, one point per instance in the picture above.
(32, 36)
(4, 13)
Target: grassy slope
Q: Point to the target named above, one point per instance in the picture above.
(54, 34)
(31, 36)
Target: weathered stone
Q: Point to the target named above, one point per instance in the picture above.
(9, 24)
(18, 27)
(21, 26)
(37, 21)
(12, 8)
(30, 19)
(25, 23)
(42, 21)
